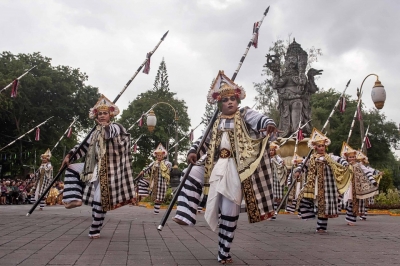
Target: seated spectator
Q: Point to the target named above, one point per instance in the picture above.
(3, 200)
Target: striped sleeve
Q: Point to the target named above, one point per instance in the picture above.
(369, 172)
(203, 149)
(82, 151)
(339, 159)
(256, 120)
(112, 131)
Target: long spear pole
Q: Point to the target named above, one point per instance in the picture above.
(12, 142)
(354, 118)
(87, 137)
(66, 131)
(365, 137)
(295, 133)
(309, 153)
(208, 129)
(6, 87)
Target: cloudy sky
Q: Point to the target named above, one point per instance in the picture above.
(108, 40)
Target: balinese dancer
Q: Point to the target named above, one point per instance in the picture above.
(279, 173)
(105, 180)
(292, 199)
(362, 159)
(363, 186)
(159, 172)
(44, 178)
(327, 176)
(237, 166)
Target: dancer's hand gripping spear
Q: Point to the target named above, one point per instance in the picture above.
(208, 129)
(64, 166)
(309, 154)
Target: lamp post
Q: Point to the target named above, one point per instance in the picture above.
(378, 96)
(151, 122)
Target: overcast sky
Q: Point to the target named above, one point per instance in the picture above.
(108, 40)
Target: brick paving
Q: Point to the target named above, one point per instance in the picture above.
(57, 236)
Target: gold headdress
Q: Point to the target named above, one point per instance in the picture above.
(160, 149)
(273, 146)
(347, 150)
(103, 104)
(361, 157)
(46, 155)
(224, 87)
(317, 137)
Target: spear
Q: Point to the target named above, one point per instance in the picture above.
(365, 137)
(6, 87)
(208, 129)
(66, 131)
(295, 133)
(87, 137)
(185, 136)
(12, 142)
(354, 118)
(309, 153)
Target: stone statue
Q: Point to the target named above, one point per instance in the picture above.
(294, 89)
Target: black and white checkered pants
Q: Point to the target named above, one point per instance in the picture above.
(189, 197)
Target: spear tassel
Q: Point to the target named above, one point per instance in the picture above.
(185, 136)
(208, 129)
(66, 131)
(6, 87)
(365, 137)
(309, 154)
(87, 137)
(12, 142)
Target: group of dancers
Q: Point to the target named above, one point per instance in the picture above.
(237, 162)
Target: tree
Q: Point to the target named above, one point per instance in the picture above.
(57, 91)
(164, 131)
(267, 98)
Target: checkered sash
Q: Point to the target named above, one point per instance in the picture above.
(120, 178)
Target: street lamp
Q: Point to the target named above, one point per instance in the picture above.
(378, 96)
(151, 122)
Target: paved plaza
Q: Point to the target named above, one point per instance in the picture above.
(57, 236)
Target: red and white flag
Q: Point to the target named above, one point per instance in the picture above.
(140, 121)
(300, 136)
(255, 40)
(135, 148)
(69, 133)
(14, 88)
(367, 143)
(342, 104)
(359, 116)
(146, 68)
(191, 137)
(37, 135)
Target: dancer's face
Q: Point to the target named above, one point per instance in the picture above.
(159, 156)
(229, 105)
(272, 152)
(351, 159)
(320, 148)
(103, 117)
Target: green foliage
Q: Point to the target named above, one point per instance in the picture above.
(386, 182)
(390, 199)
(164, 131)
(58, 91)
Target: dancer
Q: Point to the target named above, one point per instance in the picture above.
(236, 166)
(279, 173)
(44, 177)
(363, 186)
(326, 176)
(159, 172)
(105, 180)
(292, 199)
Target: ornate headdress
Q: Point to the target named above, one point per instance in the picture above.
(223, 87)
(103, 104)
(297, 159)
(46, 155)
(347, 150)
(273, 146)
(160, 149)
(295, 51)
(361, 157)
(317, 137)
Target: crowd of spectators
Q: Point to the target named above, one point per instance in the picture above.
(18, 191)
